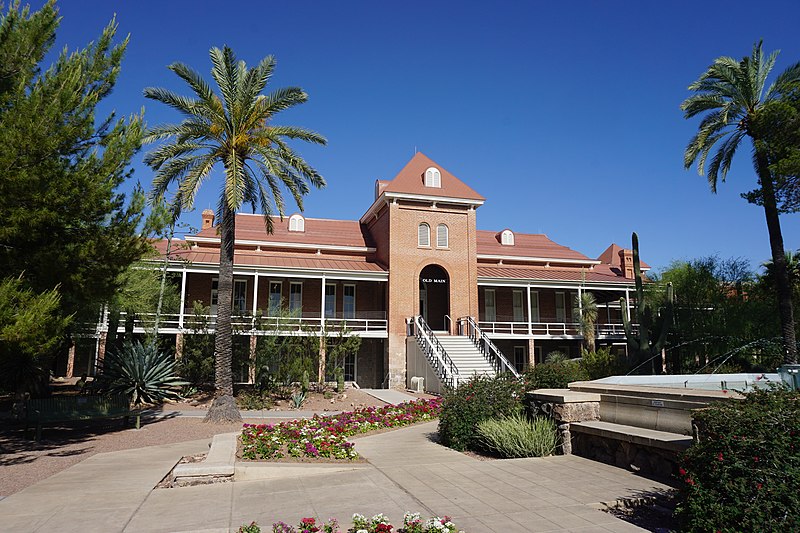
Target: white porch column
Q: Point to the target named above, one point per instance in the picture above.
(580, 303)
(322, 304)
(530, 326)
(183, 298)
(255, 299)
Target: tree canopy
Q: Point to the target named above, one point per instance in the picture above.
(66, 225)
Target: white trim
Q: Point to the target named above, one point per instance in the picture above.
(423, 226)
(548, 284)
(183, 298)
(386, 196)
(325, 285)
(345, 286)
(275, 244)
(538, 259)
(289, 303)
(255, 294)
(446, 236)
(486, 306)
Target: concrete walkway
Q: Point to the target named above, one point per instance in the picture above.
(407, 472)
(390, 395)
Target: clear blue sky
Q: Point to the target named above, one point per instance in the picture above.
(564, 115)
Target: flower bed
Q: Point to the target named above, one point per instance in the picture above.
(412, 523)
(326, 436)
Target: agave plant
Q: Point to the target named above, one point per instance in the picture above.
(142, 372)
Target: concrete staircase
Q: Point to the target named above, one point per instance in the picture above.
(467, 358)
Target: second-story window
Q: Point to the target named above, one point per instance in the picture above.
(295, 297)
(442, 236)
(424, 235)
(330, 300)
(349, 302)
(561, 308)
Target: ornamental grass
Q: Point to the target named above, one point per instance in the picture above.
(326, 436)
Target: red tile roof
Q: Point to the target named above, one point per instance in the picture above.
(611, 256)
(410, 180)
(526, 245)
(210, 255)
(600, 273)
(318, 231)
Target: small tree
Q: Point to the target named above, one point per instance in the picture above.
(31, 327)
(586, 311)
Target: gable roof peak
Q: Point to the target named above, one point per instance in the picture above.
(411, 180)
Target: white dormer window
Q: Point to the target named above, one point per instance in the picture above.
(297, 223)
(424, 235)
(442, 237)
(433, 178)
(507, 238)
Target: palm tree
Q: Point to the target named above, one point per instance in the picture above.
(732, 94)
(234, 130)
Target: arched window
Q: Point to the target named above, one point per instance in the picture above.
(424, 235)
(297, 223)
(433, 178)
(442, 237)
(507, 238)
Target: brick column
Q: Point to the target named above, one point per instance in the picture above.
(101, 349)
(531, 353)
(178, 345)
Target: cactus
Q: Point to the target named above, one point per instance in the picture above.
(653, 323)
(338, 372)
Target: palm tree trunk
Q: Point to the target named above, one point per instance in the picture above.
(784, 291)
(224, 407)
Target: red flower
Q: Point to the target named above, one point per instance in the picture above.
(759, 485)
(682, 471)
(755, 459)
(690, 481)
(719, 456)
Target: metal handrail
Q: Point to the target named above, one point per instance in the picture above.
(487, 348)
(445, 368)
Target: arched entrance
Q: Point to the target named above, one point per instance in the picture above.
(434, 296)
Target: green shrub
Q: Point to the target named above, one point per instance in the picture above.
(602, 363)
(554, 374)
(744, 473)
(141, 372)
(517, 436)
(479, 399)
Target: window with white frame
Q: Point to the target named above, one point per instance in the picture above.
(518, 306)
(424, 235)
(489, 306)
(275, 290)
(239, 300)
(561, 307)
(330, 300)
(433, 178)
(534, 306)
(349, 302)
(239, 295)
(442, 236)
(295, 297)
(507, 238)
(297, 223)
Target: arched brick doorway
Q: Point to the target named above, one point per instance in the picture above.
(434, 296)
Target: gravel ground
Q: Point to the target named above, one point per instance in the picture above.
(24, 462)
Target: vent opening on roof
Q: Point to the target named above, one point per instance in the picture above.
(297, 223)
(507, 238)
(433, 178)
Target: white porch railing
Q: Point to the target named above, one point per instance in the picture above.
(552, 329)
(260, 325)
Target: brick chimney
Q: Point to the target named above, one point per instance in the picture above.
(626, 263)
(208, 218)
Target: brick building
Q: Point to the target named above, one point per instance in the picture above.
(415, 252)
